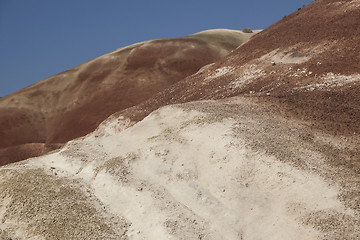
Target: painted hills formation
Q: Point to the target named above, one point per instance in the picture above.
(71, 104)
(261, 144)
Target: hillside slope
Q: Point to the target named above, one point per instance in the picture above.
(307, 63)
(259, 176)
(71, 104)
(291, 65)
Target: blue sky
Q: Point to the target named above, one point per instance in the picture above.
(40, 38)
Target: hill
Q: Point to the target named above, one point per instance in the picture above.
(71, 104)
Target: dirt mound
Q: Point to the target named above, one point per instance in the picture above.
(73, 103)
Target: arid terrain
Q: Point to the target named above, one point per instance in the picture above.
(260, 143)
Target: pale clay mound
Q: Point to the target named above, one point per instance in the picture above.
(204, 170)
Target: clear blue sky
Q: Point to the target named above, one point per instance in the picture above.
(40, 38)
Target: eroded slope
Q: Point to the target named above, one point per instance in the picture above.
(206, 170)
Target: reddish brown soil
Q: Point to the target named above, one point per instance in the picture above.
(327, 23)
(335, 27)
(24, 151)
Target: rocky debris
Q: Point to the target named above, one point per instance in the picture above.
(43, 205)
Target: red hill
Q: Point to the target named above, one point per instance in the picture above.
(73, 103)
